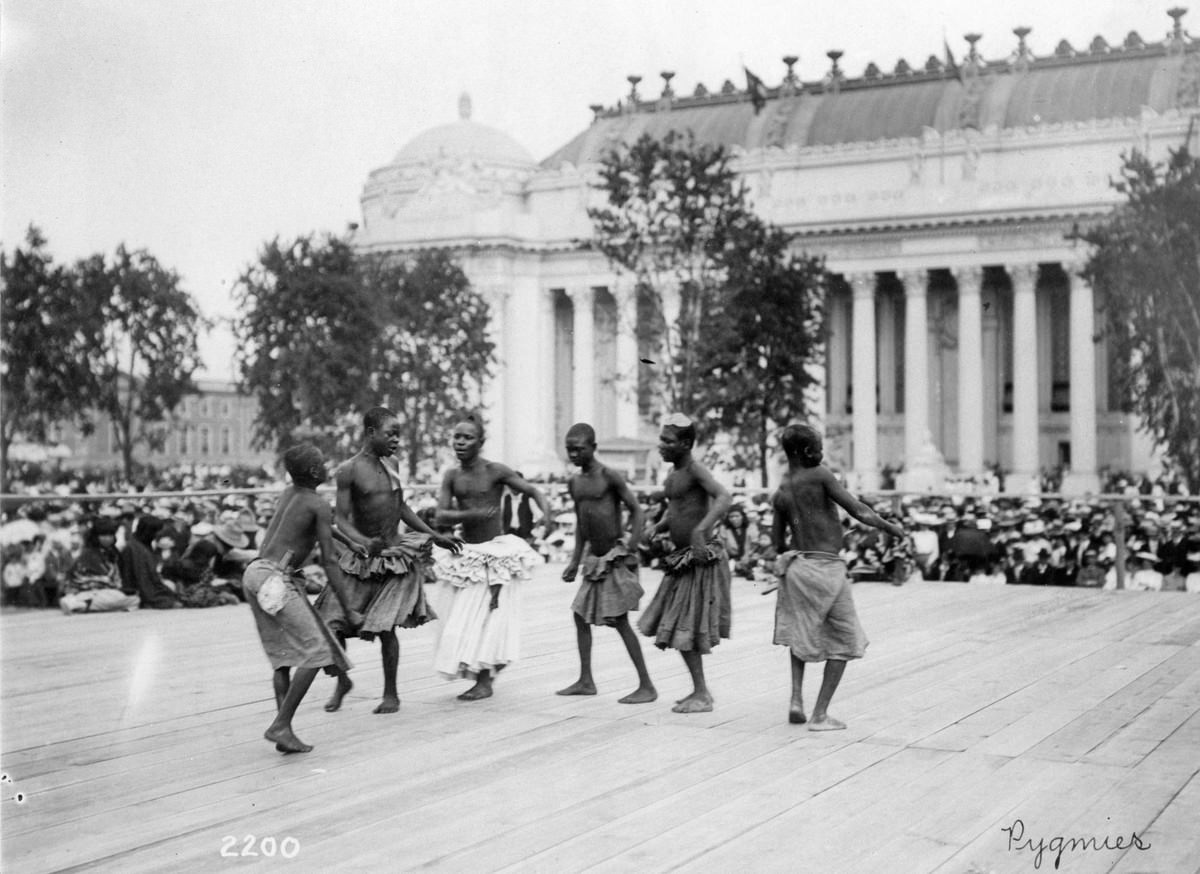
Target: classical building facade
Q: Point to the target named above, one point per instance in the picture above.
(943, 197)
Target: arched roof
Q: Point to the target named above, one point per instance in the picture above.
(463, 139)
(1106, 84)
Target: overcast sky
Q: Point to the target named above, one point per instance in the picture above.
(198, 130)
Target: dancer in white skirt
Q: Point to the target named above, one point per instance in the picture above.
(480, 588)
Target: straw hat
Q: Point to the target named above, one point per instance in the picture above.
(228, 533)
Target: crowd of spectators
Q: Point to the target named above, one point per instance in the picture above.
(184, 550)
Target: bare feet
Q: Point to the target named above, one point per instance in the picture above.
(579, 687)
(476, 693)
(285, 741)
(694, 703)
(389, 704)
(640, 695)
(826, 724)
(796, 715)
(335, 700)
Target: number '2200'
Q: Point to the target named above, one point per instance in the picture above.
(267, 846)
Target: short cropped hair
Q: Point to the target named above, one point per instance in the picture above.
(299, 461)
(683, 428)
(802, 443)
(375, 417)
(584, 430)
(475, 419)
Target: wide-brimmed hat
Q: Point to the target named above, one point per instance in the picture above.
(228, 533)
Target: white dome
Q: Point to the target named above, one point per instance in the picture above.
(464, 139)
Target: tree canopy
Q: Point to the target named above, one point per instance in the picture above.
(148, 349)
(47, 329)
(324, 334)
(1146, 266)
(740, 316)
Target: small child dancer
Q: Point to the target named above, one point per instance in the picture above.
(292, 634)
(610, 587)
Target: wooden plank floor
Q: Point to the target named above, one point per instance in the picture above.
(133, 743)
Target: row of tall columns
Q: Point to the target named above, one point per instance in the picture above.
(1026, 463)
(1083, 476)
(970, 369)
(583, 353)
(916, 363)
(627, 361)
(862, 379)
(1026, 460)
(586, 383)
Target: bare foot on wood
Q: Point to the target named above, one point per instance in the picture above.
(389, 704)
(578, 688)
(694, 703)
(335, 700)
(640, 695)
(476, 693)
(285, 741)
(826, 724)
(796, 714)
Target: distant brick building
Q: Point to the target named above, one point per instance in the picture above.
(215, 427)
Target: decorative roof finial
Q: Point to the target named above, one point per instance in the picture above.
(790, 83)
(1176, 39)
(835, 72)
(633, 95)
(1023, 57)
(464, 106)
(597, 110)
(667, 76)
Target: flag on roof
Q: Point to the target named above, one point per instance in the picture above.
(951, 67)
(757, 91)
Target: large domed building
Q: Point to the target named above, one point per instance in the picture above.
(943, 197)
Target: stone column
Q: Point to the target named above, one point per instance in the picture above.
(627, 360)
(583, 354)
(495, 395)
(1083, 476)
(1026, 430)
(916, 363)
(862, 376)
(970, 370)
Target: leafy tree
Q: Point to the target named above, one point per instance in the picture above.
(324, 334)
(434, 354)
(47, 329)
(148, 351)
(672, 207)
(763, 358)
(1146, 265)
(742, 352)
(306, 328)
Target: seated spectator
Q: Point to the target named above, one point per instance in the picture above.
(1145, 577)
(1191, 580)
(1091, 573)
(759, 558)
(925, 543)
(990, 574)
(1040, 573)
(194, 572)
(93, 584)
(139, 566)
(735, 534)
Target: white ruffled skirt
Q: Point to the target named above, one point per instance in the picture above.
(473, 637)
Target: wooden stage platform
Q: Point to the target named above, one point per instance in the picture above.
(984, 723)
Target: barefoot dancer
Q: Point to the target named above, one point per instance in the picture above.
(385, 570)
(294, 636)
(610, 587)
(690, 611)
(814, 613)
(480, 588)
